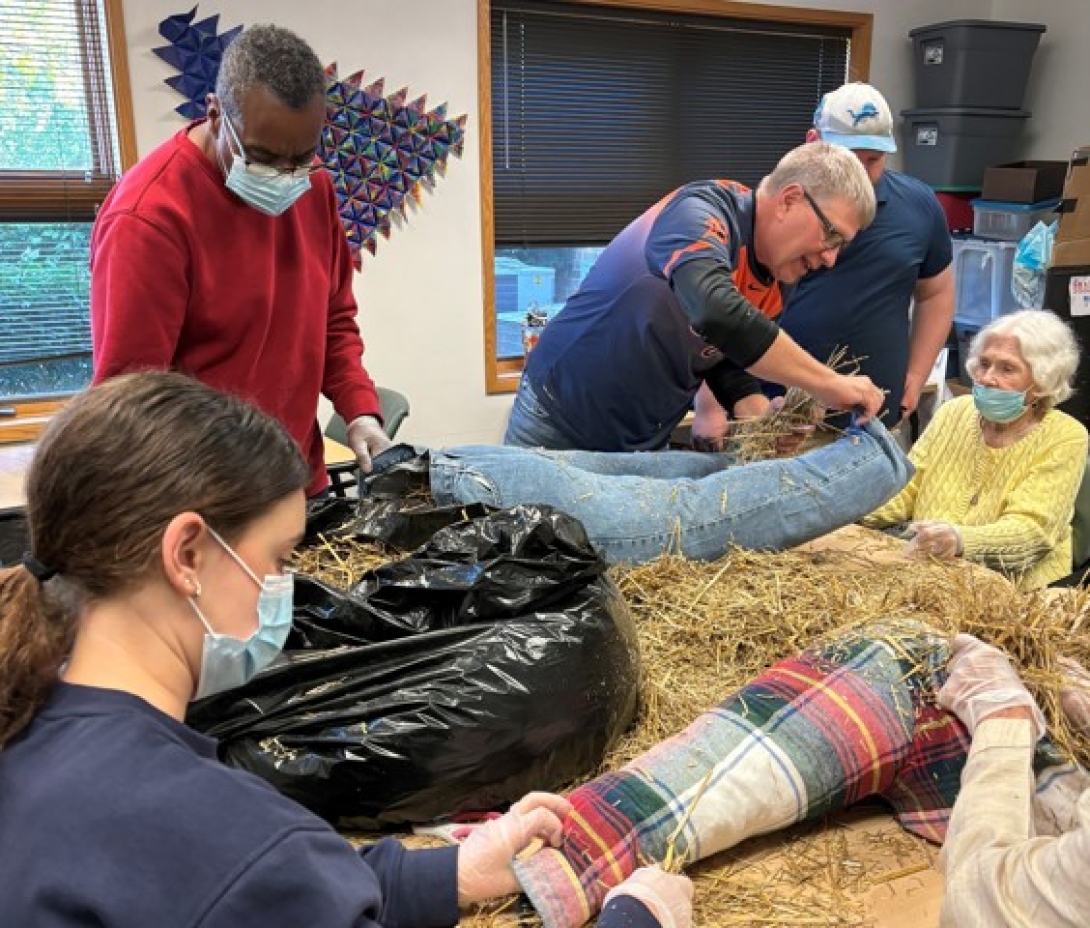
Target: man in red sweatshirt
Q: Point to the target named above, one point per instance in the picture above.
(222, 255)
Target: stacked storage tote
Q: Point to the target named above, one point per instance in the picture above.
(970, 79)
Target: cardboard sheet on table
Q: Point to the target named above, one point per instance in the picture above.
(903, 887)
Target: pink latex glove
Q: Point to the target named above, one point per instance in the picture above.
(982, 682)
(484, 858)
(934, 539)
(669, 896)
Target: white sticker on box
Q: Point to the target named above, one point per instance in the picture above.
(1079, 293)
(927, 135)
(932, 54)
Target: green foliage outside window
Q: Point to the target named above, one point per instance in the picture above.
(54, 101)
(43, 110)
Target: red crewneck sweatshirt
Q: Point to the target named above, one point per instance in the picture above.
(185, 276)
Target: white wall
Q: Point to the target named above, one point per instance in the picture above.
(421, 295)
(1057, 95)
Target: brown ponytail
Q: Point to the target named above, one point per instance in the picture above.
(113, 468)
(34, 641)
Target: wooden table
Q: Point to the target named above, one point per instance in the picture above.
(15, 462)
(336, 453)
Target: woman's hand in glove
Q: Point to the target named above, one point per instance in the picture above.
(1075, 694)
(668, 896)
(982, 682)
(935, 539)
(367, 439)
(484, 858)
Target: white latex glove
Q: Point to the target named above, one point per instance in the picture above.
(934, 539)
(366, 438)
(982, 682)
(669, 896)
(1075, 694)
(484, 858)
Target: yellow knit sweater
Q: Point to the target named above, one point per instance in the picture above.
(1013, 506)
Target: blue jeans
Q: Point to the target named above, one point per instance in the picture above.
(636, 506)
(530, 425)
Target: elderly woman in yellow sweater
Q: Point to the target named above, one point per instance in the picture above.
(997, 472)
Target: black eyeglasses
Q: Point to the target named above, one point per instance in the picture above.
(834, 238)
(257, 169)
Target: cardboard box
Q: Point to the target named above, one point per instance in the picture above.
(1071, 254)
(1072, 245)
(1024, 181)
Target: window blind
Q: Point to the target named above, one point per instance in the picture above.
(58, 138)
(599, 112)
(59, 157)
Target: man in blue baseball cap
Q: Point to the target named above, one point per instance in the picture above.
(889, 299)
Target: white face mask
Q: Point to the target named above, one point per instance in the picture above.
(265, 188)
(227, 662)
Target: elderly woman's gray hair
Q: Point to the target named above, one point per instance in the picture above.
(1048, 346)
(826, 172)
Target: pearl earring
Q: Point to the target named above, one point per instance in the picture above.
(195, 587)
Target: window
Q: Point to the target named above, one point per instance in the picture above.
(65, 134)
(592, 110)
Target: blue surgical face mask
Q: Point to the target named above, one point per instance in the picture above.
(999, 406)
(226, 662)
(265, 188)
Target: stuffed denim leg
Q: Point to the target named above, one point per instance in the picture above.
(636, 506)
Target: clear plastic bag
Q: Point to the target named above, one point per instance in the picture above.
(1031, 260)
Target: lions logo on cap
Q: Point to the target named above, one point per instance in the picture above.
(869, 111)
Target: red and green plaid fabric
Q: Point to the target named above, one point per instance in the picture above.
(813, 734)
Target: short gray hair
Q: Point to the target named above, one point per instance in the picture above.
(273, 57)
(828, 172)
(1048, 346)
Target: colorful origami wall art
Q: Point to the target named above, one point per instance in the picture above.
(383, 152)
(194, 51)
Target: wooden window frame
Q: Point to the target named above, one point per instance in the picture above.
(502, 374)
(58, 196)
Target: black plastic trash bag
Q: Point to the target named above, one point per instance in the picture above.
(395, 507)
(497, 659)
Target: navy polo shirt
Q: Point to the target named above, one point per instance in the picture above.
(862, 302)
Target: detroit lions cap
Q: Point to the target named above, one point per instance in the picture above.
(856, 116)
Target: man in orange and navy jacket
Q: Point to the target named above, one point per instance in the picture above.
(684, 296)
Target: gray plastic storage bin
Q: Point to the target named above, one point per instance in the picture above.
(950, 148)
(974, 62)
